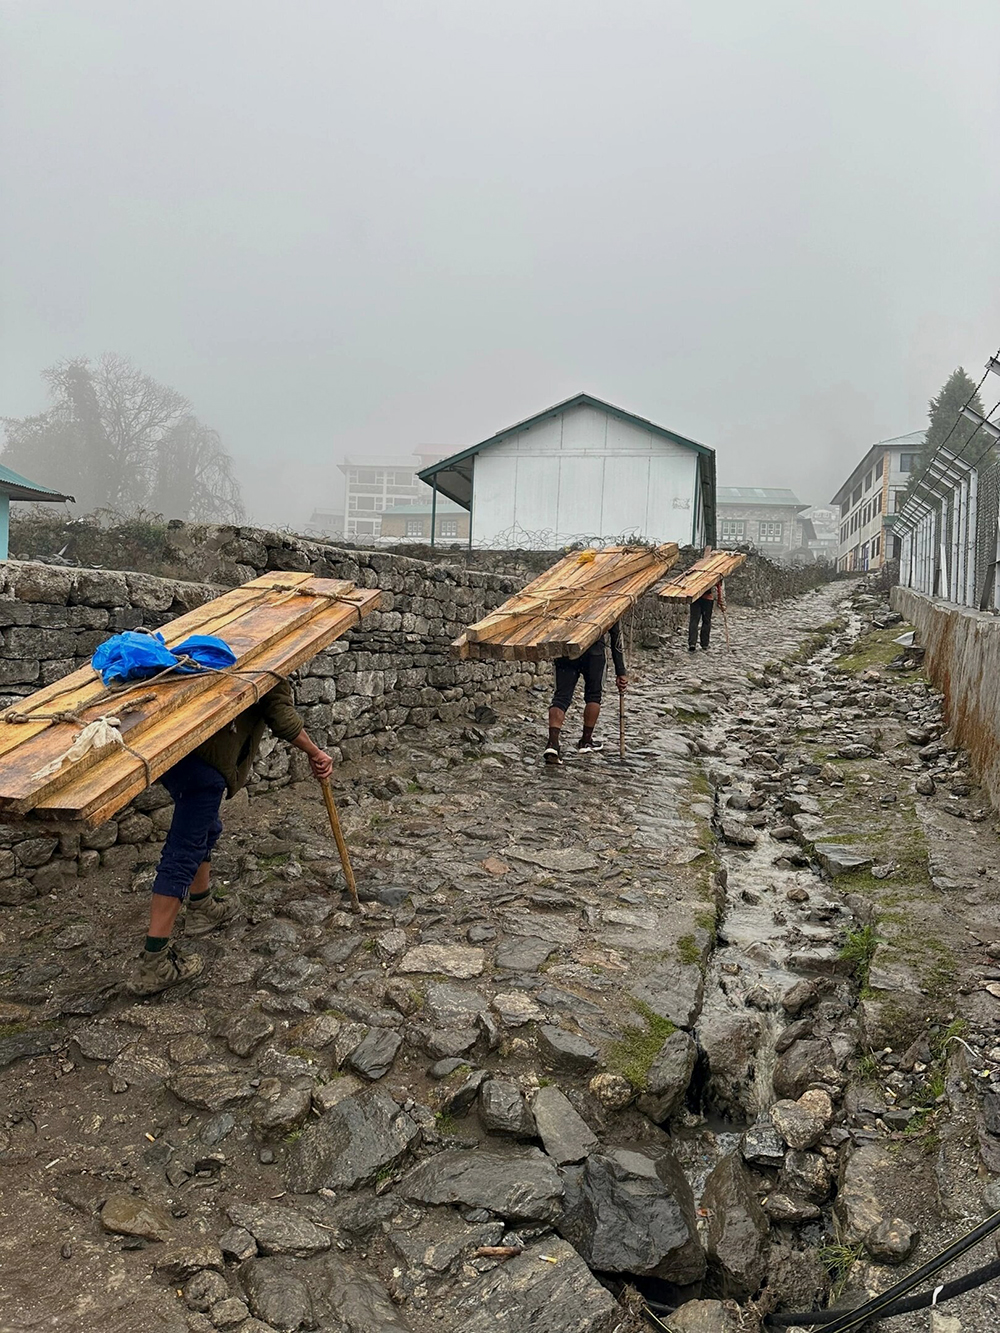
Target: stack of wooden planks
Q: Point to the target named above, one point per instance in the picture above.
(273, 624)
(703, 575)
(569, 607)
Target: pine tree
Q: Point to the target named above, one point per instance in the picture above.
(946, 423)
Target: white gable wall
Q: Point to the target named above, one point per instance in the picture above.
(584, 474)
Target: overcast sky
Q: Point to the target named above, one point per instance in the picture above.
(359, 227)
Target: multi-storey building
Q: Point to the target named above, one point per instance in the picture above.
(874, 489)
(373, 486)
(765, 517)
(412, 522)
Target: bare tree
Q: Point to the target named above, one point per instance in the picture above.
(120, 440)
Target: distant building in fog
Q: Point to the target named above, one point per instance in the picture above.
(412, 522)
(765, 517)
(371, 486)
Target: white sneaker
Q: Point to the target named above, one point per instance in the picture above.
(552, 755)
(589, 747)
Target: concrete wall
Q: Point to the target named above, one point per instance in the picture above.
(963, 661)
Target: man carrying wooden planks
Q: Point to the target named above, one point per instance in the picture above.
(591, 666)
(701, 617)
(221, 766)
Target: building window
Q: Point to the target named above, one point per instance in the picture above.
(877, 502)
(876, 545)
(770, 531)
(364, 528)
(878, 466)
(845, 508)
(732, 529)
(414, 527)
(856, 497)
(868, 482)
(908, 462)
(448, 527)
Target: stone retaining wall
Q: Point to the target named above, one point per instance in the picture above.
(963, 662)
(394, 671)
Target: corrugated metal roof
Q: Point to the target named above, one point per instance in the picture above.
(764, 495)
(17, 487)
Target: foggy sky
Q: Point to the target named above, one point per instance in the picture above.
(348, 228)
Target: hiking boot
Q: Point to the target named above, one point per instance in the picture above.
(157, 971)
(589, 747)
(207, 914)
(552, 755)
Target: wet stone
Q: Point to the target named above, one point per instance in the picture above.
(360, 1302)
(514, 1008)
(669, 1077)
(437, 1243)
(351, 1143)
(185, 1260)
(737, 1229)
(524, 954)
(131, 1215)
(204, 1289)
(629, 1212)
(281, 1114)
(503, 1110)
(521, 1186)
(762, 1145)
(236, 1243)
(790, 1208)
(276, 1295)
(566, 1050)
(279, 1230)
(373, 1057)
(459, 1101)
(212, 1088)
(841, 860)
(802, 1123)
(442, 1068)
(245, 1032)
(892, 1241)
(565, 1135)
(454, 960)
(229, 1312)
(530, 1292)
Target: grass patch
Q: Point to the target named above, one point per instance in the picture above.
(638, 1048)
(875, 649)
(838, 1260)
(688, 951)
(445, 1123)
(858, 949)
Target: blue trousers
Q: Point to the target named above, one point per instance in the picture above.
(197, 789)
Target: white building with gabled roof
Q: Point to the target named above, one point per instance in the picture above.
(582, 470)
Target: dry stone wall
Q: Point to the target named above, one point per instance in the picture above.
(394, 671)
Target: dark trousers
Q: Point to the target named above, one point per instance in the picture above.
(590, 665)
(701, 614)
(197, 789)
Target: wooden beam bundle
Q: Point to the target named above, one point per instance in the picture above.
(273, 624)
(701, 576)
(569, 607)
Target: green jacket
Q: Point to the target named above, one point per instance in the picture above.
(233, 749)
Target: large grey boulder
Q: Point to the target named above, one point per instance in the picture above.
(556, 1293)
(737, 1229)
(276, 1295)
(279, 1230)
(629, 1212)
(521, 1185)
(351, 1143)
(502, 1110)
(669, 1077)
(732, 1040)
(565, 1135)
(360, 1303)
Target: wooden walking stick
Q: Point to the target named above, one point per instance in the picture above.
(338, 836)
(725, 626)
(621, 724)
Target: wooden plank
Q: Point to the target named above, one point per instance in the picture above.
(568, 607)
(111, 785)
(247, 634)
(704, 574)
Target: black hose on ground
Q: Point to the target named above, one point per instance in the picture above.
(958, 1287)
(880, 1307)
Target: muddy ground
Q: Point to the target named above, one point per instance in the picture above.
(600, 990)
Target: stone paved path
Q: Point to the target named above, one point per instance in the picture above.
(327, 1127)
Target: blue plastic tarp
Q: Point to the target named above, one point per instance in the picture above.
(133, 655)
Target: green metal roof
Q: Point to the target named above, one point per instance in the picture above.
(453, 476)
(761, 495)
(421, 511)
(16, 487)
